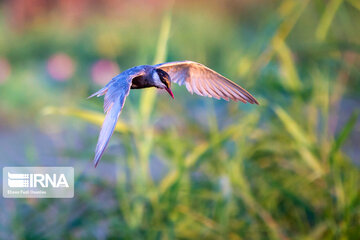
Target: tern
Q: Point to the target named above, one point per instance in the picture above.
(197, 78)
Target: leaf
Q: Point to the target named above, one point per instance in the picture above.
(146, 135)
(292, 80)
(292, 127)
(148, 96)
(326, 19)
(303, 141)
(89, 116)
(355, 3)
(344, 134)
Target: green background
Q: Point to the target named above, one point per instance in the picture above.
(192, 167)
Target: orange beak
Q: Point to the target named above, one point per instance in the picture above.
(170, 92)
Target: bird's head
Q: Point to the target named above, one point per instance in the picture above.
(162, 80)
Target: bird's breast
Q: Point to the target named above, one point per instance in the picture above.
(141, 82)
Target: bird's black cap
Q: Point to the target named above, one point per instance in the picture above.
(164, 77)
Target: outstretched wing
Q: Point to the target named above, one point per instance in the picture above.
(115, 93)
(204, 81)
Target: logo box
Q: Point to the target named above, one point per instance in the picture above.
(38, 182)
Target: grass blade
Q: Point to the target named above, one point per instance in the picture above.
(148, 96)
(89, 116)
(326, 19)
(344, 134)
(300, 137)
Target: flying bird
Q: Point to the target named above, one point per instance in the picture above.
(197, 78)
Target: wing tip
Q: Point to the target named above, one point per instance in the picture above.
(98, 155)
(99, 93)
(253, 100)
(96, 161)
(99, 151)
(250, 100)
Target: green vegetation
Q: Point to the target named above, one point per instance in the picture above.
(195, 167)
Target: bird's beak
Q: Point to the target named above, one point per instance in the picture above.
(170, 92)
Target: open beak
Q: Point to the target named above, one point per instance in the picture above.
(170, 92)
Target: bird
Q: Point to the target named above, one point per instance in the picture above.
(197, 78)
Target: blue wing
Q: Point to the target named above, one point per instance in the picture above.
(115, 93)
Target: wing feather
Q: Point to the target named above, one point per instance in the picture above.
(205, 81)
(215, 91)
(219, 90)
(115, 93)
(188, 87)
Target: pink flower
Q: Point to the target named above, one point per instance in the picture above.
(61, 67)
(103, 71)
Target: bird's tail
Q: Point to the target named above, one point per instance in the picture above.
(113, 103)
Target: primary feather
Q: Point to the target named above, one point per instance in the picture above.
(115, 93)
(205, 81)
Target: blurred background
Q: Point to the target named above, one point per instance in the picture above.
(190, 167)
